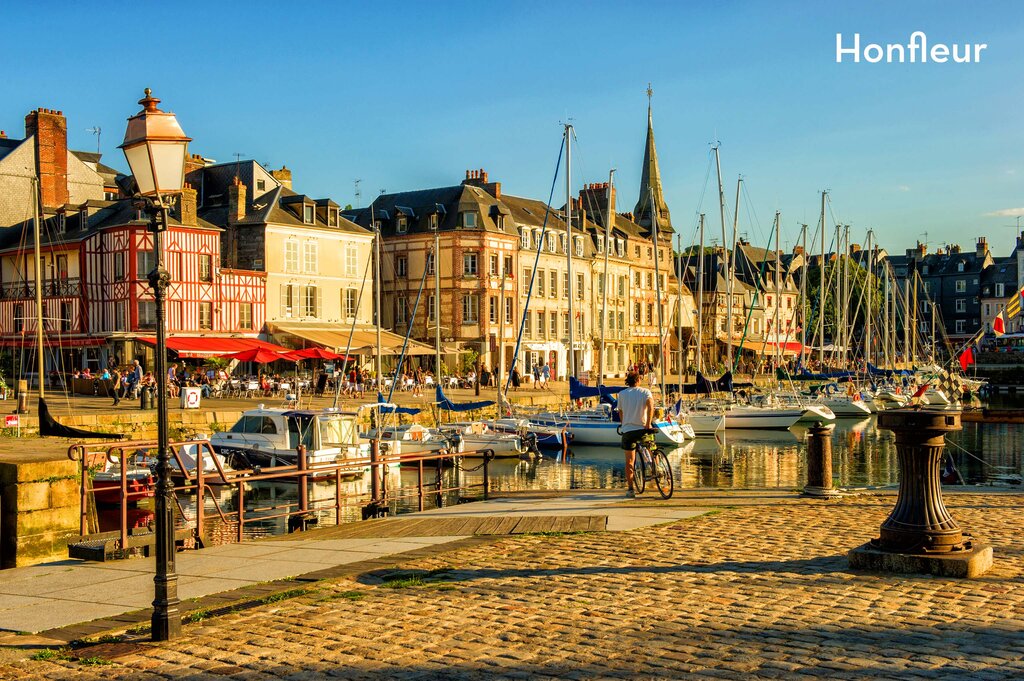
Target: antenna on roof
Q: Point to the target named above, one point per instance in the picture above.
(238, 162)
(96, 131)
(359, 193)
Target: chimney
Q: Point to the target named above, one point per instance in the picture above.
(284, 176)
(798, 250)
(954, 249)
(478, 178)
(982, 247)
(50, 130)
(236, 201)
(854, 249)
(187, 207)
(594, 198)
(3, 135)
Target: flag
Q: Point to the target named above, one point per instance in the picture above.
(1013, 304)
(921, 391)
(999, 324)
(966, 358)
(951, 384)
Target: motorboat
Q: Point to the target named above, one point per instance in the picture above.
(596, 426)
(847, 406)
(414, 439)
(705, 423)
(752, 417)
(478, 436)
(547, 437)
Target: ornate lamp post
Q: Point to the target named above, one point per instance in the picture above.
(155, 147)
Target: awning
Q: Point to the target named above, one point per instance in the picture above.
(50, 342)
(787, 348)
(364, 340)
(191, 347)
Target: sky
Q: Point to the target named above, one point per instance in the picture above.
(408, 95)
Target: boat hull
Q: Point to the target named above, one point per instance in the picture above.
(757, 418)
(705, 425)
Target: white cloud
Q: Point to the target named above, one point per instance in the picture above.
(902, 188)
(1005, 213)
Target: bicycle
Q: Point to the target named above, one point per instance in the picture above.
(651, 463)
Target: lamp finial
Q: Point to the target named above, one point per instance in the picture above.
(149, 102)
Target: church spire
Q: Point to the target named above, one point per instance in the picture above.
(651, 180)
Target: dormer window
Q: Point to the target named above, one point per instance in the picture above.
(402, 225)
(468, 220)
(524, 238)
(499, 220)
(562, 243)
(600, 244)
(307, 213)
(578, 244)
(261, 185)
(959, 267)
(333, 216)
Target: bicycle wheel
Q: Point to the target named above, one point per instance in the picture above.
(639, 473)
(663, 474)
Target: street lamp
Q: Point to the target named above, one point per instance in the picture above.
(155, 147)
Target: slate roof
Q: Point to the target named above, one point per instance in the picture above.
(1003, 271)
(446, 202)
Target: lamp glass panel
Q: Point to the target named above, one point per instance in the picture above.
(169, 165)
(138, 160)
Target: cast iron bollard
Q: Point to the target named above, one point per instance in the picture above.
(920, 535)
(819, 462)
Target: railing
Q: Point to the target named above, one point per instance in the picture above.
(52, 288)
(200, 483)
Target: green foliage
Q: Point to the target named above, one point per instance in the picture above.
(197, 616)
(95, 660)
(863, 286)
(469, 360)
(284, 595)
(51, 655)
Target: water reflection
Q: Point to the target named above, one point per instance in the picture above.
(862, 455)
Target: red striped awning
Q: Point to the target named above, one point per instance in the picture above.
(29, 341)
(192, 347)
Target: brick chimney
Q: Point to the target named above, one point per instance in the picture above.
(236, 201)
(982, 247)
(954, 249)
(3, 135)
(187, 207)
(594, 198)
(478, 178)
(50, 130)
(798, 250)
(284, 176)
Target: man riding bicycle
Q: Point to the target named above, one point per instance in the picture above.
(636, 411)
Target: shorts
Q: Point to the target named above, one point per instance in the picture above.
(631, 438)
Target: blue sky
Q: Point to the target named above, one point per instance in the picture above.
(409, 95)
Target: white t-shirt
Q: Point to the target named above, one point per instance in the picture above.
(631, 403)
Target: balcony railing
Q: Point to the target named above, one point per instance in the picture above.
(52, 288)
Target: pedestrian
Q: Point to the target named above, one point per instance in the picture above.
(536, 377)
(115, 382)
(545, 374)
(636, 413)
(515, 378)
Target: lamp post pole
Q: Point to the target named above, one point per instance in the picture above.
(166, 620)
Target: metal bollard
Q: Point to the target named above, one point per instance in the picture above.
(819, 462)
(920, 536)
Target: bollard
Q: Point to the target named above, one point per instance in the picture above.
(375, 470)
(819, 462)
(146, 398)
(22, 407)
(920, 536)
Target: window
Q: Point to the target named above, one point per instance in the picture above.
(961, 285)
(649, 252)
(205, 268)
(636, 313)
(469, 264)
(600, 284)
(578, 245)
(553, 281)
(401, 306)
(288, 302)
(147, 314)
(433, 222)
(499, 221)
(62, 267)
(528, 324)
(988, 310)
(307, 214)
(1000, 290)
(402, 225)
(661, 281)
(311, 302)
(205, 315)
(291, 255)
(144, 264)
(636, 250)
(118, 266)
(637, 279)
(402, 266)
(959, 267)
(350, 302)
(309, 259)
(431, 308)
(65, 316)
(430, 263)
(622, 285)
(469, 308)
(538, 239)
(600, 244)
(650, 280)
(622, 321)
(469, 220)
(551, 243)
(540, 282)
(542, 323)
(580, 286)
(650, 313)
(554, 324)
(507, 272)
(562, 243)
(565, 324)
(508, 310)
(19, 317)
(527, 280)
(961, 305)
(621, 243)
(565, 284)
(245, 316)
(332, 217)
(492, 309)
(261, 185)
(524, 237)
(120, 316)
(494, 265)
(579, 323)
(961, 325)
(351, 260)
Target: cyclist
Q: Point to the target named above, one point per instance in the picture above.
(636, 411)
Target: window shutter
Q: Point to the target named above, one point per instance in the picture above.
(284, 300)
(316, 292)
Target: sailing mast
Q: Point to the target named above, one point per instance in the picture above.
(778, 288)
(803, 297)
(571, 371)
(378, 376)
(36, 254)
(437, 303)
(869, 290)
(609, 217)
(678, 267)
(657, 291)
(700, 297)
(728, 263)
(821, 291)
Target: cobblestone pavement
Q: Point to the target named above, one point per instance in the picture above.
(759, 590)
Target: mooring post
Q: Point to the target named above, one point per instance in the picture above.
(920, 536)
(819, 462)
